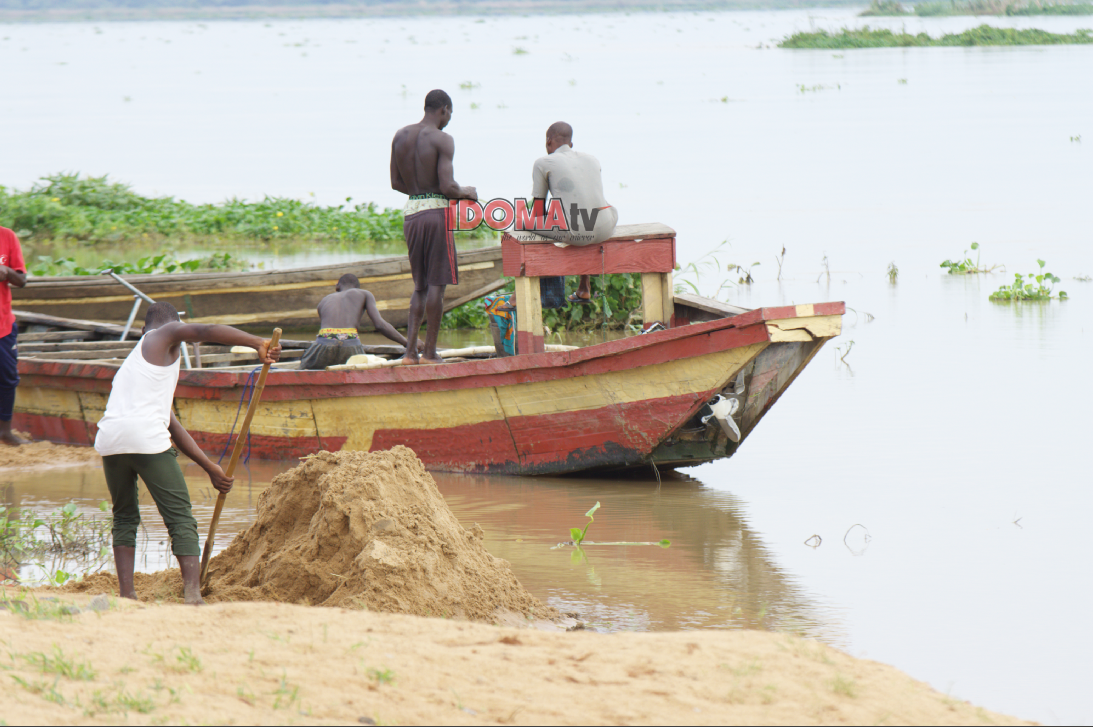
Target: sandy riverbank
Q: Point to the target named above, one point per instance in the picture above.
(44, 455)
(270, 663)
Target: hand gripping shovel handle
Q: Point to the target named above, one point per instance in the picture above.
(236, 451)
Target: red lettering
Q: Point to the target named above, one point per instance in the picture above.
(467, 213)
(528, 218)
(555, 218)
(490, 214)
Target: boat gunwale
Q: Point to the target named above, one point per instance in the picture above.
(216, 384)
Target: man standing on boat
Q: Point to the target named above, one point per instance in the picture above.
(339, 314)
(13, 271)
(421, 167)
(575, 179)
(135, 438)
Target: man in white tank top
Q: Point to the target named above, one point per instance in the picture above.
(135, 438)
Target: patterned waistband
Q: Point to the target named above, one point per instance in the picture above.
(340, 334)
(421, 202)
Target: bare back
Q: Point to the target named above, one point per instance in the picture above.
(417, 153)
(342, 310)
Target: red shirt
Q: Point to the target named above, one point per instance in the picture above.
(11, 254)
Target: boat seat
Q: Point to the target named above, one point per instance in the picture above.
(648, 249)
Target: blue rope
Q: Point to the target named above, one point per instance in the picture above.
(248, 385)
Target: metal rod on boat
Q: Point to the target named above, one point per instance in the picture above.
(118, 278)
(236, 451)
(132, 316)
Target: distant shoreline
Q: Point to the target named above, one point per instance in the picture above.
(421, 8)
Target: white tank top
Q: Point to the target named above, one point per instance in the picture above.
(139, 409)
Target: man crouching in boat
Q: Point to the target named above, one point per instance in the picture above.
(339, 313)
(136, 434)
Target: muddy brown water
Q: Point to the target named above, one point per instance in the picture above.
(956, 431)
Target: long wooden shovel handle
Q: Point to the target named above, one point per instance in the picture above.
(236, 451)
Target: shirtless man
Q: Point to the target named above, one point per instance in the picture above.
(339, 314)
(421, 167)
(573, 178)
(136, 434)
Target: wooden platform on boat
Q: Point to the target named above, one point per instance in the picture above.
(284, 298)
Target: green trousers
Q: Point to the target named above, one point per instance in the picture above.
(163, 478)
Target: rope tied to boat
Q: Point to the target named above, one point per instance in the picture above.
(248, 385)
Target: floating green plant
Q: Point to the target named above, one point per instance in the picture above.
(984, 35)
(892, 272)
(1030, 287)
(576, 533)
(967, 266)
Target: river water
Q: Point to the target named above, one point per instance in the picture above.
(952, 434)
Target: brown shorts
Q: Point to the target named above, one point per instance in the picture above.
(431, 243)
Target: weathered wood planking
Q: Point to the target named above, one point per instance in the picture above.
(618, 256)
(604, 406)
(272, 297)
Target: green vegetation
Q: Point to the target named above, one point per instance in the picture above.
(60, 665)
(984, 35)
(967, 266)
(576, 533)
(1030, 287)
(95, 212)
(935, 8)
(66, 538)
(892, 272)
(616, 302)
(162, 263)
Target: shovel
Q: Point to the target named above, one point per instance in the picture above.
(238, 450)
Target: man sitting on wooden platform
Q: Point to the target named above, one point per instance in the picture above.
(339, 314)
(574, 178)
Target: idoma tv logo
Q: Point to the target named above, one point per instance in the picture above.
(522, 215)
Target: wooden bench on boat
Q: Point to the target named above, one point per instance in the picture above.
(649, 249)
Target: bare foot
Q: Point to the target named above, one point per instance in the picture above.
(11, 438)
(131, 595)
(427, 360)
(409, 360)
(193, 599)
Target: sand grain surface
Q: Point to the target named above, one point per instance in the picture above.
(355, 529)
(42, 455)
(270, 663)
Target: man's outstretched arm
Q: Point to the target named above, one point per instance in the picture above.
(381, 325)
(188, 447)
(173, 334)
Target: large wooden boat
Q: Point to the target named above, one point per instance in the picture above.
(254, 298)
(620, 404)
(686, 394)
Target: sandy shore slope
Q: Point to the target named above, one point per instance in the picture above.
(272, 663)
(43, 455)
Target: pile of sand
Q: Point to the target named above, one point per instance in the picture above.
(45, 454)
(357, 530)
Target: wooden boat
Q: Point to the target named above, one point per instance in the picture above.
(687, 394)
(255, 298)
(621, 404)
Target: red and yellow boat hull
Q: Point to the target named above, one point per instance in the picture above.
(620, 404)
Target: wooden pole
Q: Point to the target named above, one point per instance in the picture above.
(236, 452)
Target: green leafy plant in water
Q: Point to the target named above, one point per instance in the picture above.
(967, 266)
(984, 35)
(892, 272)
(576, 533)
(1030, 287)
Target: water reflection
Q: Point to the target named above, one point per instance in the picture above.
(716, 574)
